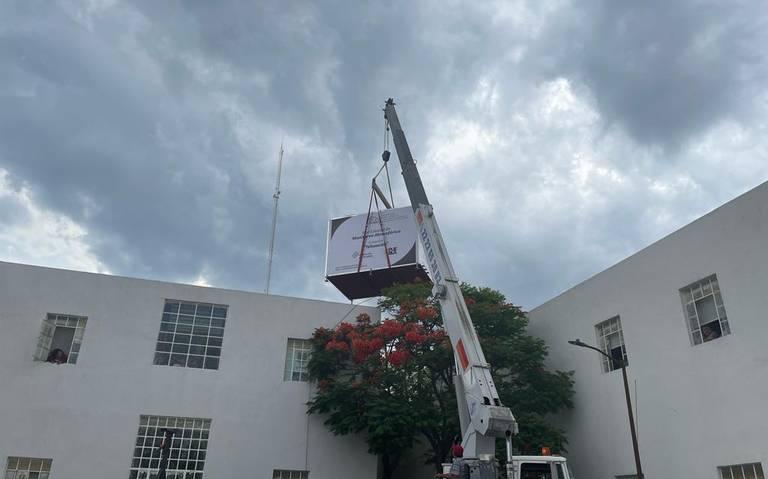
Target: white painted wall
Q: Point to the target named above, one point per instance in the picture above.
(86, 416)
(699, 406)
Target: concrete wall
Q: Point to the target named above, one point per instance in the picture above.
(85, 416)
(698, 407)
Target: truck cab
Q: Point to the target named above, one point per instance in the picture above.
(522, 467)
(540, 467)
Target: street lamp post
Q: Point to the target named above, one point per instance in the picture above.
(638, 467)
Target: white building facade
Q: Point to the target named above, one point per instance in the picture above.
(690, 315)
(225, 370)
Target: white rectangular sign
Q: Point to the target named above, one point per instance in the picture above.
(396, 231)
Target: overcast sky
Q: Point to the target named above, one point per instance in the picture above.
(554, 137)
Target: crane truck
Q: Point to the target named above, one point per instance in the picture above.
(482, 416)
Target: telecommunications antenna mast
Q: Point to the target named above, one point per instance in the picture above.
(276, 197)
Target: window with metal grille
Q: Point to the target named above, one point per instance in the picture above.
(704, 310)
(191, 335)
(187, 449)
(287, 474)
(610, 339)
(28, 468)
(742, 471)
(62, 332)
(297, 359)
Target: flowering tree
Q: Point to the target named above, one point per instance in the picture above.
(393, 380)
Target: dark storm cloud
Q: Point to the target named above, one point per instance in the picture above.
(169, 169)
(11, 211)
(109, 145)
(663, 70)
(156, 126)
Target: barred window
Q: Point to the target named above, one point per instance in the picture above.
(297, 360)
(742, 471)
(62, 332)
(188, 448)
(610, 339)
(191, 335)
(27, 468)
(704, 310)
(287, 474)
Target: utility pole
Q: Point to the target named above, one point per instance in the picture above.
(276, 197)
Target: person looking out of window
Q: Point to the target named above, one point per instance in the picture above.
(709, 333)
(57, 356)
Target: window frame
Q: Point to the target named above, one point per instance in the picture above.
(290, 474)
(690, 297)
(603, 330)
(756, 467)
(538, 467)
(191, 431)
(27, 465)
(293, 347)
(48, 331)
(191, 334)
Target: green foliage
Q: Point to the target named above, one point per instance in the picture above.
(517, 365)
(393, 381)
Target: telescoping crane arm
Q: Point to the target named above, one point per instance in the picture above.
(482, 416)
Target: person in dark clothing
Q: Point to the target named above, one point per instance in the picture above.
(710, 332)
(57, 356)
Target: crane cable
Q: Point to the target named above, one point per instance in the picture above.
(385, 157)
(375, 199)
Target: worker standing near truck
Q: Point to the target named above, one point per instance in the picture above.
(457, 452)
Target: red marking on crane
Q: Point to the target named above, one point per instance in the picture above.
(419, 218)
(462, 354)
